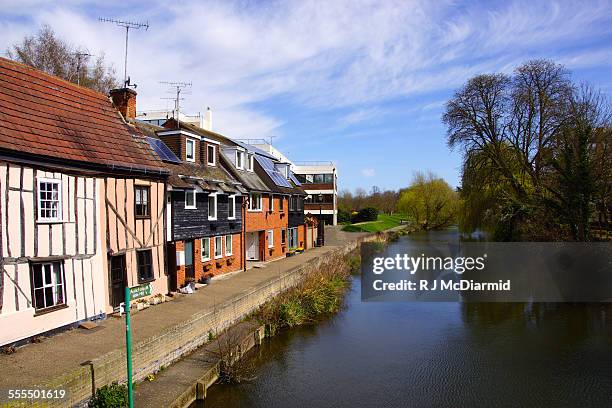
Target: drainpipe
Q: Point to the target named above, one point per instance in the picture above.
(245, 202)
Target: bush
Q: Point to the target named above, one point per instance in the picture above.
(343, 216)
(366, 214)
(110, 396)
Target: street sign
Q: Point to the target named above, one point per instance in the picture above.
(140, 291)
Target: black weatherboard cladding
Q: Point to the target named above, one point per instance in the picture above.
(296, 217)
(194, 223)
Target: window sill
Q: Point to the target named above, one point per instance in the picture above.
(144, 281)
(51, 221)
(142, 217)
(212, 219)
(218, 257)
(231, 218)
(191, 208)
(40, 312)
(254, 210)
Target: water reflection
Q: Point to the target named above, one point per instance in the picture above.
(420, 354)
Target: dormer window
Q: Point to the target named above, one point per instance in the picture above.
(190, 150)
(250, 159)
(239, 160)
(211, 155)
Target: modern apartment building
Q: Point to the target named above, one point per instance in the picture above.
(319, 179)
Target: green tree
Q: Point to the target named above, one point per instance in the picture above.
(430, 201)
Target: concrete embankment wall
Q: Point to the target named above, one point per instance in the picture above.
(160, 350)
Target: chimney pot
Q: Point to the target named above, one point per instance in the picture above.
(124, 100)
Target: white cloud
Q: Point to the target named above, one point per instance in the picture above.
(342, 54)
(368, 173)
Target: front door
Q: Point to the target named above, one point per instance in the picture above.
(189, 270)
(118, 280)
(253, 246)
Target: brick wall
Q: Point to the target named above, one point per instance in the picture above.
(264, 221)
(214, 267)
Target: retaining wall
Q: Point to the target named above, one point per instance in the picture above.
(164, 348)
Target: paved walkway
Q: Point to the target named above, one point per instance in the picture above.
(56, 355)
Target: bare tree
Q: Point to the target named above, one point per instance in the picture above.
(48, 53)
(521, 136)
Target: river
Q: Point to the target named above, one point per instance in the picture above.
(413, 354)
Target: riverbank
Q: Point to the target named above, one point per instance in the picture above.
(442, 354)
(81, 360)
(319, 294)
(384, 222)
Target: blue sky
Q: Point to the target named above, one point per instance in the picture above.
(362, 83)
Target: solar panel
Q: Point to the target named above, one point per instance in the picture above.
(162, 150)
(275, 175)
(294, 179)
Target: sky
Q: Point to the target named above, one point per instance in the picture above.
(361, 83)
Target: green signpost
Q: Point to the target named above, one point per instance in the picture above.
(140, 291)
(128, 346)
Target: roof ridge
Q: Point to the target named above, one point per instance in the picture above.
(43, 74)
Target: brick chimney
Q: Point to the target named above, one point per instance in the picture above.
(124, 100)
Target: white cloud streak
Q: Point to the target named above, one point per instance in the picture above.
(320, 55)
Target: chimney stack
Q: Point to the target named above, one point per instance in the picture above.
(208, 119)
(124, 100)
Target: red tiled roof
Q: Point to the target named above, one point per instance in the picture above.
(44, 115)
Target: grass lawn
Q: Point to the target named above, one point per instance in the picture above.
(384, 222)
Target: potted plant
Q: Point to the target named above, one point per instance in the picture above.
(299, 250)
(219, 263)
(206, 267)
(190, 282)
(230, 260)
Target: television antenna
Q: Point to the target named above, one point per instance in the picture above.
(177, 87)
(127, 25)
(79, 56)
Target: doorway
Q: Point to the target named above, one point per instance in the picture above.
(117, 280)
(189, 269)
(252, 252)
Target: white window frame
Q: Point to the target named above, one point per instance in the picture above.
(240, 155)
(53, 284)
(58, 216)
(202, 245)
(220, 237)
(189, 142)
(250, 161)
(214, 155)
(192, 192)
(228, 252)
(214, 196)
(271, 238)
(251, 201)
(231, 204)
